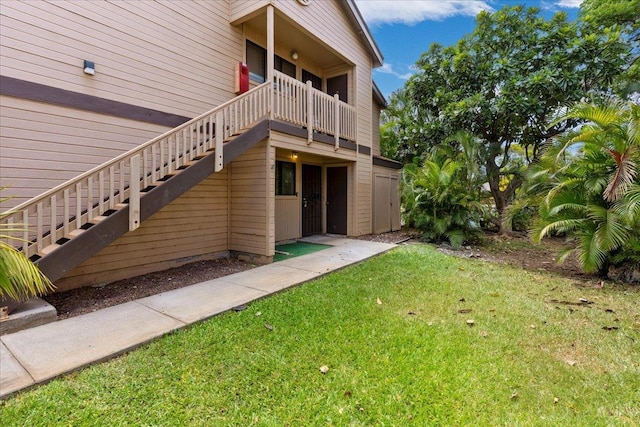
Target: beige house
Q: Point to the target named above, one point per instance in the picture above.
(141, 135)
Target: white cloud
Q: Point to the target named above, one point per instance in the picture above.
(388, 69)
(560, 4)
(569, 4)
(411, 12)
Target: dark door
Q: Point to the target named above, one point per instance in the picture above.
(337, 200)
(338, 85)
(311, 200)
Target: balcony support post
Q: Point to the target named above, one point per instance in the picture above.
(134, 193)
(218, 157)
(336, 101)
(310, 112)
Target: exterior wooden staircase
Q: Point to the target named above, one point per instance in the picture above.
(70, 223)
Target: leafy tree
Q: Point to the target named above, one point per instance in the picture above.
(504, 81)
(594, 194)
(625, 16)
(402, 129)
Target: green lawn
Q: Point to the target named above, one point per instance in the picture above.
(398, 350)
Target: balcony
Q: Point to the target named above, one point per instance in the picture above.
(300, 104)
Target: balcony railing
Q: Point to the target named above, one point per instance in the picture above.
(299, 103)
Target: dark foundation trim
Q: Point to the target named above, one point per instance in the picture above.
(317, 137)
(51, 95)
(363, 149)
(387, 163)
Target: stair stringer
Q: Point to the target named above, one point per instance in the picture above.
(74, 252)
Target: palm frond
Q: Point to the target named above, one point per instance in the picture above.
(19, 277)
(562, 226)
(592, 256)
(623, 176)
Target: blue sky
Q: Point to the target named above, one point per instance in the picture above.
(404, 29)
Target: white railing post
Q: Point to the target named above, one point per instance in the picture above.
(134, 193)
(336, 100)
(218, 159)
(309, 112)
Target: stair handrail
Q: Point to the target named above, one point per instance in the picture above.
(44, 219)
(134, 151)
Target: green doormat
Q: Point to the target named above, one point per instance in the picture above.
(291, 250)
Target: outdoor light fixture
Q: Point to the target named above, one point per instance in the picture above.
(294, 55)
(294, 155)
(89, 68)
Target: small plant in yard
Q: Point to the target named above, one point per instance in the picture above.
(20, 279)
(443, 197)
(386, 342)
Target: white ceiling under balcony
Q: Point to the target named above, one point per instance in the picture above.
(290, 36)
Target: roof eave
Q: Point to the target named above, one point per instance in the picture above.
(363, 30)
(377, 93)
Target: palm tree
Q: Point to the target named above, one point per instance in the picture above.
(442, 198)
(20, 279)
(593, 187)
(613, 129)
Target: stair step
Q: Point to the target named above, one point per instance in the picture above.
(187, 164)
(97, 219)
(48, 249)
(119, 206)
(76, 232)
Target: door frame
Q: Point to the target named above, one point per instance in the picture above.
(347, 193)
(321, 201)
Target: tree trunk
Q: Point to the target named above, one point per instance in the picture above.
(501, 198)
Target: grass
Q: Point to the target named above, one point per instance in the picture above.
(398, 350)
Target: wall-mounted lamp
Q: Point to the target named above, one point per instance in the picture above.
(89, 68)
(294, 55)
(294, 155)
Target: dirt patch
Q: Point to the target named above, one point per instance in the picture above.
(92, 298)
(519, 251)
(515, 250)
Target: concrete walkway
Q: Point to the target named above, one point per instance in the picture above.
(44, 352)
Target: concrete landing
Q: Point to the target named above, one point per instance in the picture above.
(40, 353)
(33, 312)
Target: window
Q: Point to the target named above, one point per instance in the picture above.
(316, 81)
(257, 62)
(284, 66)
(285, 178)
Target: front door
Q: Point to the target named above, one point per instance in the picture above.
(337, 200)
(340, 86)
(311, 200)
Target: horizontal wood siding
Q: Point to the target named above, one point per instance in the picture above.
(375, 128)
(364, 191)
(251, 187)
(292, 143)
(287, 218)
(173, 56)
(193, 227)
(45, 145)
(244, 8)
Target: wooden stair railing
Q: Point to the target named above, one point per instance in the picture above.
(68, 210)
